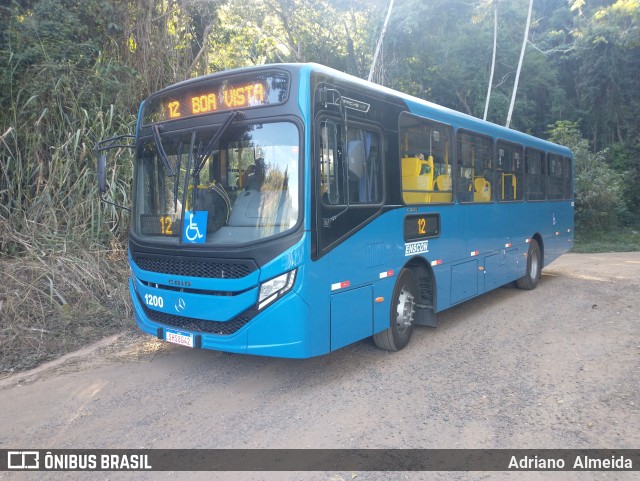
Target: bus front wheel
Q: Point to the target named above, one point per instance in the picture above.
(534, 268)
(403, 309)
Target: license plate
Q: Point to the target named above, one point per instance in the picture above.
(179, 337)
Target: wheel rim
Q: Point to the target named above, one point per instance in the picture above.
(405, 310)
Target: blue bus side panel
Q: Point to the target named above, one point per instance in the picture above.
(501, 268)
(464, 281)
(343, 285)
(383, 290)
(351, 316)
(563, 227)
(480, 247)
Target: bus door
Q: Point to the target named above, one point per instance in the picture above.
(351, 249)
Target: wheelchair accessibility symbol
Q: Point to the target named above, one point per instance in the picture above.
(194, 230)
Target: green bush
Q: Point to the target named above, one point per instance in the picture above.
(598, 188)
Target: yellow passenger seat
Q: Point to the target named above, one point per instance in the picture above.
(482, 190)
(417, 178)
(443, 182)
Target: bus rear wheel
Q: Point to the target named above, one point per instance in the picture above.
(534, 268)
(403, 309)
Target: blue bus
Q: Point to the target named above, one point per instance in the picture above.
(290, 210)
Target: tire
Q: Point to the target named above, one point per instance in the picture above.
(534, 268)
(402, 315)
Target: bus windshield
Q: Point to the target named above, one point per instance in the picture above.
(233, 184)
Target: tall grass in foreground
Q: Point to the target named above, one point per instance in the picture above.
(48, 180)
(62, 251)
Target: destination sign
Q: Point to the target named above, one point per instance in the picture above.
(206, 97)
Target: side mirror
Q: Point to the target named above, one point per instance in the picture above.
(102, 172)
(101, 161)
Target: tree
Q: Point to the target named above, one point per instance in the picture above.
(524, 46)
(379, 44)
(493, 57)
(599, 189)
(295, 31)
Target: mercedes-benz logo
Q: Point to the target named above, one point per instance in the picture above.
(180, 305)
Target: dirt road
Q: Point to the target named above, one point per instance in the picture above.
(557, 367)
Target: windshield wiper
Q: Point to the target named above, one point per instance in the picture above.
(177, 181)
(161, 152)
(202, 157)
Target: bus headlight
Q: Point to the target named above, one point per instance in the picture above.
(275, 288)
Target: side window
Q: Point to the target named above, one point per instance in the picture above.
(508, 176)
(425, 153)
(568, 187)
(474, 176)
(535, 179)
(331, 176)
(350, 165)
(556, 177)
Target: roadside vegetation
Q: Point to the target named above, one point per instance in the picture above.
(619, 240)
(72, 73)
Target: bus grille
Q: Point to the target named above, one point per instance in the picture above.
(195, 268)
(198, 325)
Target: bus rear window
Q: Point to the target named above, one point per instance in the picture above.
(556, 177)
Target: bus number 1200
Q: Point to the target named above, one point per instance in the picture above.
(154, 301)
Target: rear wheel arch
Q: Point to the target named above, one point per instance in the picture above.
(426, 284)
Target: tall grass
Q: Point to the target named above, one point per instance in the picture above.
(62, 251)
(48, 185)
(67, 80)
